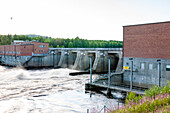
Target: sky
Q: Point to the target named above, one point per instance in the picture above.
(87, 19)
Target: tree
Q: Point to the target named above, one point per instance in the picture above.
(70, 45)
(64, 43)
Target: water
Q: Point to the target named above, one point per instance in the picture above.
(47, 91)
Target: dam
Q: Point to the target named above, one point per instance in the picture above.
(37, 54)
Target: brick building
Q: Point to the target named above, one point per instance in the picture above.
(20, 51)
(146, 50)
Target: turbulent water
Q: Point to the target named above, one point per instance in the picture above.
(46, 91)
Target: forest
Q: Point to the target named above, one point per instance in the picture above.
(63, 43)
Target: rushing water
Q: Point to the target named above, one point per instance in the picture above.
(47, 91)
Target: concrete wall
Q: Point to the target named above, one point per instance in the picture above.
(14, 60)
(41, 61)
(145, 71)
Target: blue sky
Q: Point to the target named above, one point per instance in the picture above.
(88, 19)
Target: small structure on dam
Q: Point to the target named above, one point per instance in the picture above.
(21, 52)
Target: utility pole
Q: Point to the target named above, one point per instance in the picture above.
(109, 79)
(11, 28)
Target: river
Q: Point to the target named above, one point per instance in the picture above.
(47, 91)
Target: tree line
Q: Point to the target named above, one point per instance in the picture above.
(63, 43)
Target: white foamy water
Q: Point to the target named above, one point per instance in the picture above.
(46, 91)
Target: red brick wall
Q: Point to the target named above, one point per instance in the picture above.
(37, 48)
(18, 48)
(1, 50)
(26, 50)
(147, 40)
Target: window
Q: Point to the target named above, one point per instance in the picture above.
(6, 51)
(18, 52)
(150, 66)
(142, 65)
(127, 64)
(3, 51)
(13, 52)
(40, 50)
(41, 46)
(167, 67)
(9, 52)
(0, 51)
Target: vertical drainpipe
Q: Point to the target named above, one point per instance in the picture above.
(53, 58)
(15, 56)
(159, 73)
(90, 69)
(4, 52)
(131, 77)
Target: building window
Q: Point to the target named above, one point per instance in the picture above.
(127, 64)
(167, 67)
(9, 52)
(150, 66)
(142, 65)
(40, 51)
(13, 52)
(18, 52)
(41, 46)
(6, 51)
(3, 51)
(0, 51)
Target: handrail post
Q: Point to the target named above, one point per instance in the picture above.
(104, 108)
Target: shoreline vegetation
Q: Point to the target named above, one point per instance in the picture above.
(61, 42)
(155, 100)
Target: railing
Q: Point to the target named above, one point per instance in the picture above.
(105, 109)
(106, 49)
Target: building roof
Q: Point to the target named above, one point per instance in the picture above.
(147, 24)
(18, 41)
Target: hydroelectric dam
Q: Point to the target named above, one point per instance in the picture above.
(78, 59)
(72, 58)
(33, 54)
